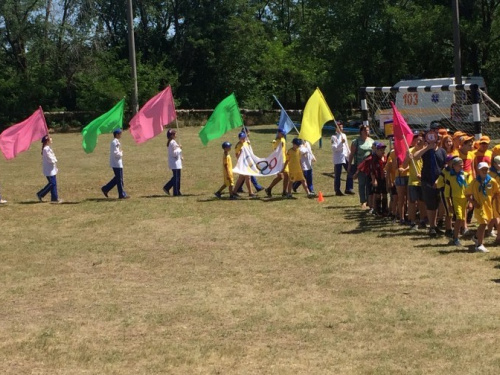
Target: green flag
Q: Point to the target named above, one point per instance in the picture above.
(226, 116)
(111, 120)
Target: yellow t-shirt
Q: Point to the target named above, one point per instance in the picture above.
(484, 213)
(391, 166)
(443, 178)
(415, 170)
(468, 159)
(496, 206)
(495, 151)
(482, 156)
(454, 189)
(228, 178)
(238, 147)
(295, 170)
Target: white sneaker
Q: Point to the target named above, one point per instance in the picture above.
(3, 201)
(482, 249)
(489, 233)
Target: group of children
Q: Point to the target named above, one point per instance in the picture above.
(297, 169)
(443, 181)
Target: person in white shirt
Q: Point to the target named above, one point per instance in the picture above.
(116, 162)
(174, 163)
(341, 151)
(306, 159)
(50, 170)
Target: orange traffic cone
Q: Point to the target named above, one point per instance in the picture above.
(320, 197)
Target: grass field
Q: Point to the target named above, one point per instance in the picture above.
(195, 285)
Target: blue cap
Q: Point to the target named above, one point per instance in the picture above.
(242, 135)
(226, 144)
(281, 130)
(45, 138)
(297, 141)
(117, 131)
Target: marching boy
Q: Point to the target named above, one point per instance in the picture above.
(227, 169)
(295, 170)
(481, 193)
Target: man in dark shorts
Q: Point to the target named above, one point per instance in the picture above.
(433, 161)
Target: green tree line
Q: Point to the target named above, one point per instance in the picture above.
(72, 55)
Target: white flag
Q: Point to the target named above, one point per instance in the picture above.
(250, 165)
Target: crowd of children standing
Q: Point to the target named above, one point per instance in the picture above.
(442, 183)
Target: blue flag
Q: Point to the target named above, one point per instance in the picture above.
(285, 123)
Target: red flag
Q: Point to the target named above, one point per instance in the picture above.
(401, 132)
(18, 138)
(153, 116)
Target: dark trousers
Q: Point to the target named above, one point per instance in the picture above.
(116, 181)
(52, 187)
(349, 185)
(175, 182)
(255, 183)
(308, 175)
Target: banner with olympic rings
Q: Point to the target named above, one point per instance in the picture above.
(250, 165)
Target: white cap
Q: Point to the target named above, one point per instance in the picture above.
(482, 165)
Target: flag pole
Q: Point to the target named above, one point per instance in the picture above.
(44, 120)
(408, 151)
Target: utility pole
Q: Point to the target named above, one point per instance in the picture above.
(456, 43)
(131, 49)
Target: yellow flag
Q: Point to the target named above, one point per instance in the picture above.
(316, 114)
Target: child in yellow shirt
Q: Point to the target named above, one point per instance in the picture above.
(482, 192)
(227, 169)
(495, 174)
(454, 193)
(295, 173)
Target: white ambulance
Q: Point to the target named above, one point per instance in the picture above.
(421, 108)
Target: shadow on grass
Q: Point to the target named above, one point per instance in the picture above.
(456, 251)
(49, 203)
(494, 259)
(497, 281)
(214, 199)
(426, 245)
(328, 174)
(154, 196)
(101, 200)
(366, 221)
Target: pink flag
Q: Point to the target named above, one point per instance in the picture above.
(401, 132)
(153, 116)
(18, 138)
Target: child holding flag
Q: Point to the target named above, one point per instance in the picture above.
(481, 193)
(280, 140)
(50, 171)
(227, 169)
(243, 142)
